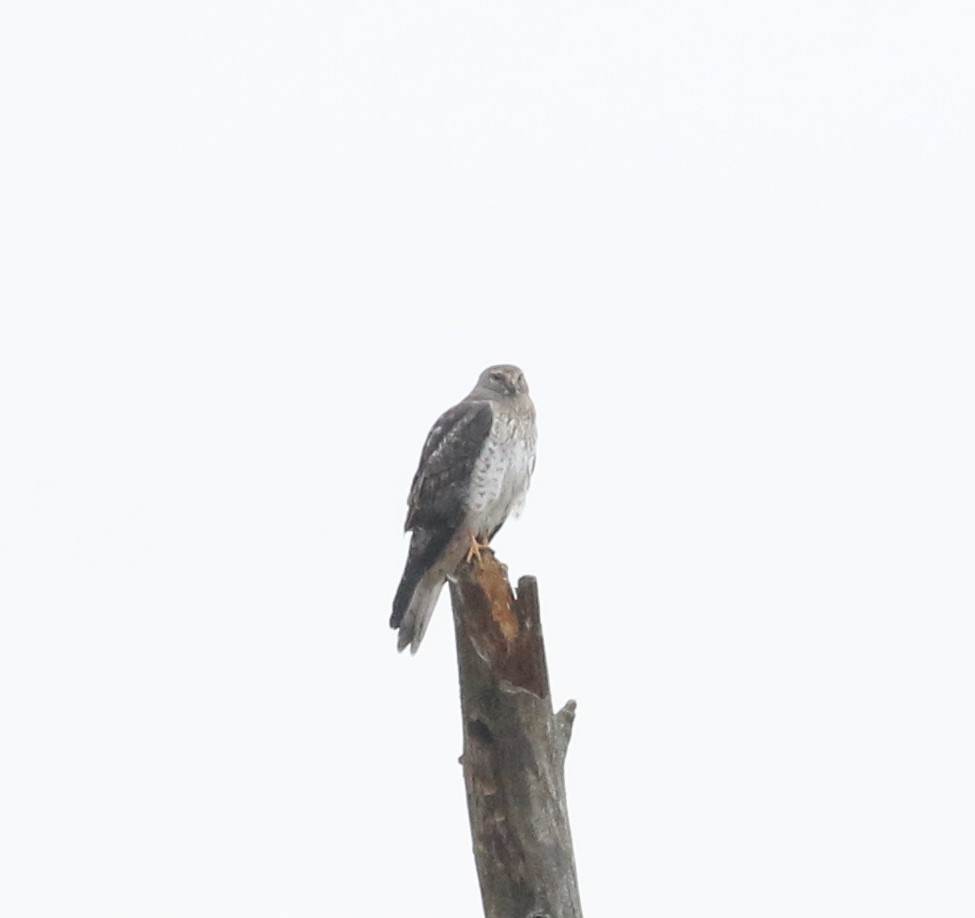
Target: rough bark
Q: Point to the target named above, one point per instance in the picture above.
(514, 748)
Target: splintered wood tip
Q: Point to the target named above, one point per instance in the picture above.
(503, 626)
(491, 577)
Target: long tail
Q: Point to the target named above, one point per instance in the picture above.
(419, 611)
(419, 588)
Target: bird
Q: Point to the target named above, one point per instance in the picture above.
(474, 471)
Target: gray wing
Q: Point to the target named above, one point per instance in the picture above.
(438, 495)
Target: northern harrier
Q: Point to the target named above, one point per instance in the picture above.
(474, 471)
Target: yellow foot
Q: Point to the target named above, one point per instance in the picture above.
(474, 552)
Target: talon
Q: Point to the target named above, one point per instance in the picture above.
(474, 552)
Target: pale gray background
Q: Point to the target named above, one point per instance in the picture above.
(251, 250)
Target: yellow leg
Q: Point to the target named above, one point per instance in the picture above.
(474, 552)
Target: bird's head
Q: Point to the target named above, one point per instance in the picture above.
(503, 379)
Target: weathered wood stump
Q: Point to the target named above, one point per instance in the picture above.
(514, 748)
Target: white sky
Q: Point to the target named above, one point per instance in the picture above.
(250, 251)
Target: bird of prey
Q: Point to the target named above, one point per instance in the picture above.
(474, 471)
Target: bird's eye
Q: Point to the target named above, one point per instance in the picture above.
(497, 377)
